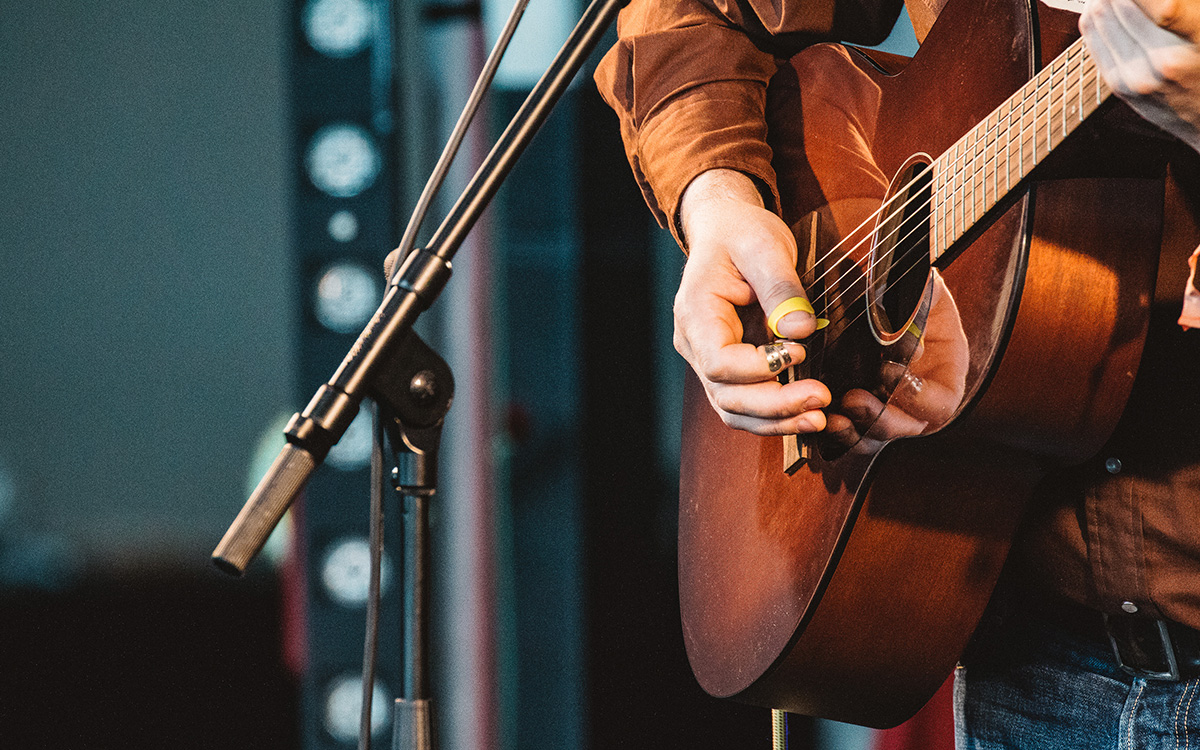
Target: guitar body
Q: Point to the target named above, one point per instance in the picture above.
(846, 586)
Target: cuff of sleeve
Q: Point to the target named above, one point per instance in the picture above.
(705, 128)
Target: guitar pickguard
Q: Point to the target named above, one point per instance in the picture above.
(876, 288)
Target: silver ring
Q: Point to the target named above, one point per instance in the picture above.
(778, 357)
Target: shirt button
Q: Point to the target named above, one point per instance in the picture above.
(1129, 607)
(1112, 465)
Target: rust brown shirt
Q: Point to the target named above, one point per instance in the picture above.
(1122, 531)
(689, 79)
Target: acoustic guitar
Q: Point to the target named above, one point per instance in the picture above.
(987, 320)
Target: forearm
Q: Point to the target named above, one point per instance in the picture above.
(688, 81)
(711, 188)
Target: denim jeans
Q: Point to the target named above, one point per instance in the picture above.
(1025, 684)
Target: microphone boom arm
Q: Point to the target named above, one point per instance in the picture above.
(415, 286)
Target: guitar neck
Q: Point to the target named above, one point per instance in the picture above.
(993, 157)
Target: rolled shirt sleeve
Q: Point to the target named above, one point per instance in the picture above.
(688, 81)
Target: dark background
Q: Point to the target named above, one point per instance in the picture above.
(148, 330)
(152, 330)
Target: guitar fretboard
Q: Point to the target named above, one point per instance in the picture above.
(987, 162)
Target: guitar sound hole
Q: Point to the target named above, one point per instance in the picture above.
(899, 266)
(865, 356)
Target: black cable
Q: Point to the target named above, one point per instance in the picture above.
(371, 641)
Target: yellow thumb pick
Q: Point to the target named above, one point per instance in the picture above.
(791, 305)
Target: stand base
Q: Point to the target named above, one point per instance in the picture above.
(412, 725)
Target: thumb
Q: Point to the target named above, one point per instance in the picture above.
(784, 302)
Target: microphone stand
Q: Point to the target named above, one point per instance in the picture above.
(413, 288)
(420, 397)
(412, 385)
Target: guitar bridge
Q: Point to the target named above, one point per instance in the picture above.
(797, 449)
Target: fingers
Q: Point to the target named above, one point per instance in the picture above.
(877, 420)
(726, 224)
(730, 267)
(1147, 51)
(1122, 61)
(1178, 16)
(770, 408)
(741, 254)
(735, 364)
(769, 400)
(813, 421)
(1128, 41)
(739, 380)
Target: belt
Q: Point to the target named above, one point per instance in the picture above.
(1142, 646)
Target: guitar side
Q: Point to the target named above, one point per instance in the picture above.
(848, 589)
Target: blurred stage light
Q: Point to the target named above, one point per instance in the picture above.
(346, 296)
(337, 28)
(343, 704)
(353, 451)
(342, 160)
(343, 226)
(346, 572)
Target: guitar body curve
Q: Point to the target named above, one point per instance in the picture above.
(848, 588)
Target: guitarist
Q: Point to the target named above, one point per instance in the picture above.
(1098, 645)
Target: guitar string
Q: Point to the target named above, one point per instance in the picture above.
(1056, 105)
(1034, 86)
(1041, 89)
(1052, 108)
(1063, 104)
(903, 274)
(892, 283)
(991, 135)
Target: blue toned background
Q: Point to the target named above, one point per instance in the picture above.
(150, 319)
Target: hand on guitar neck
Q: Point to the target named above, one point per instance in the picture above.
(739, 254)
(1148, 51)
